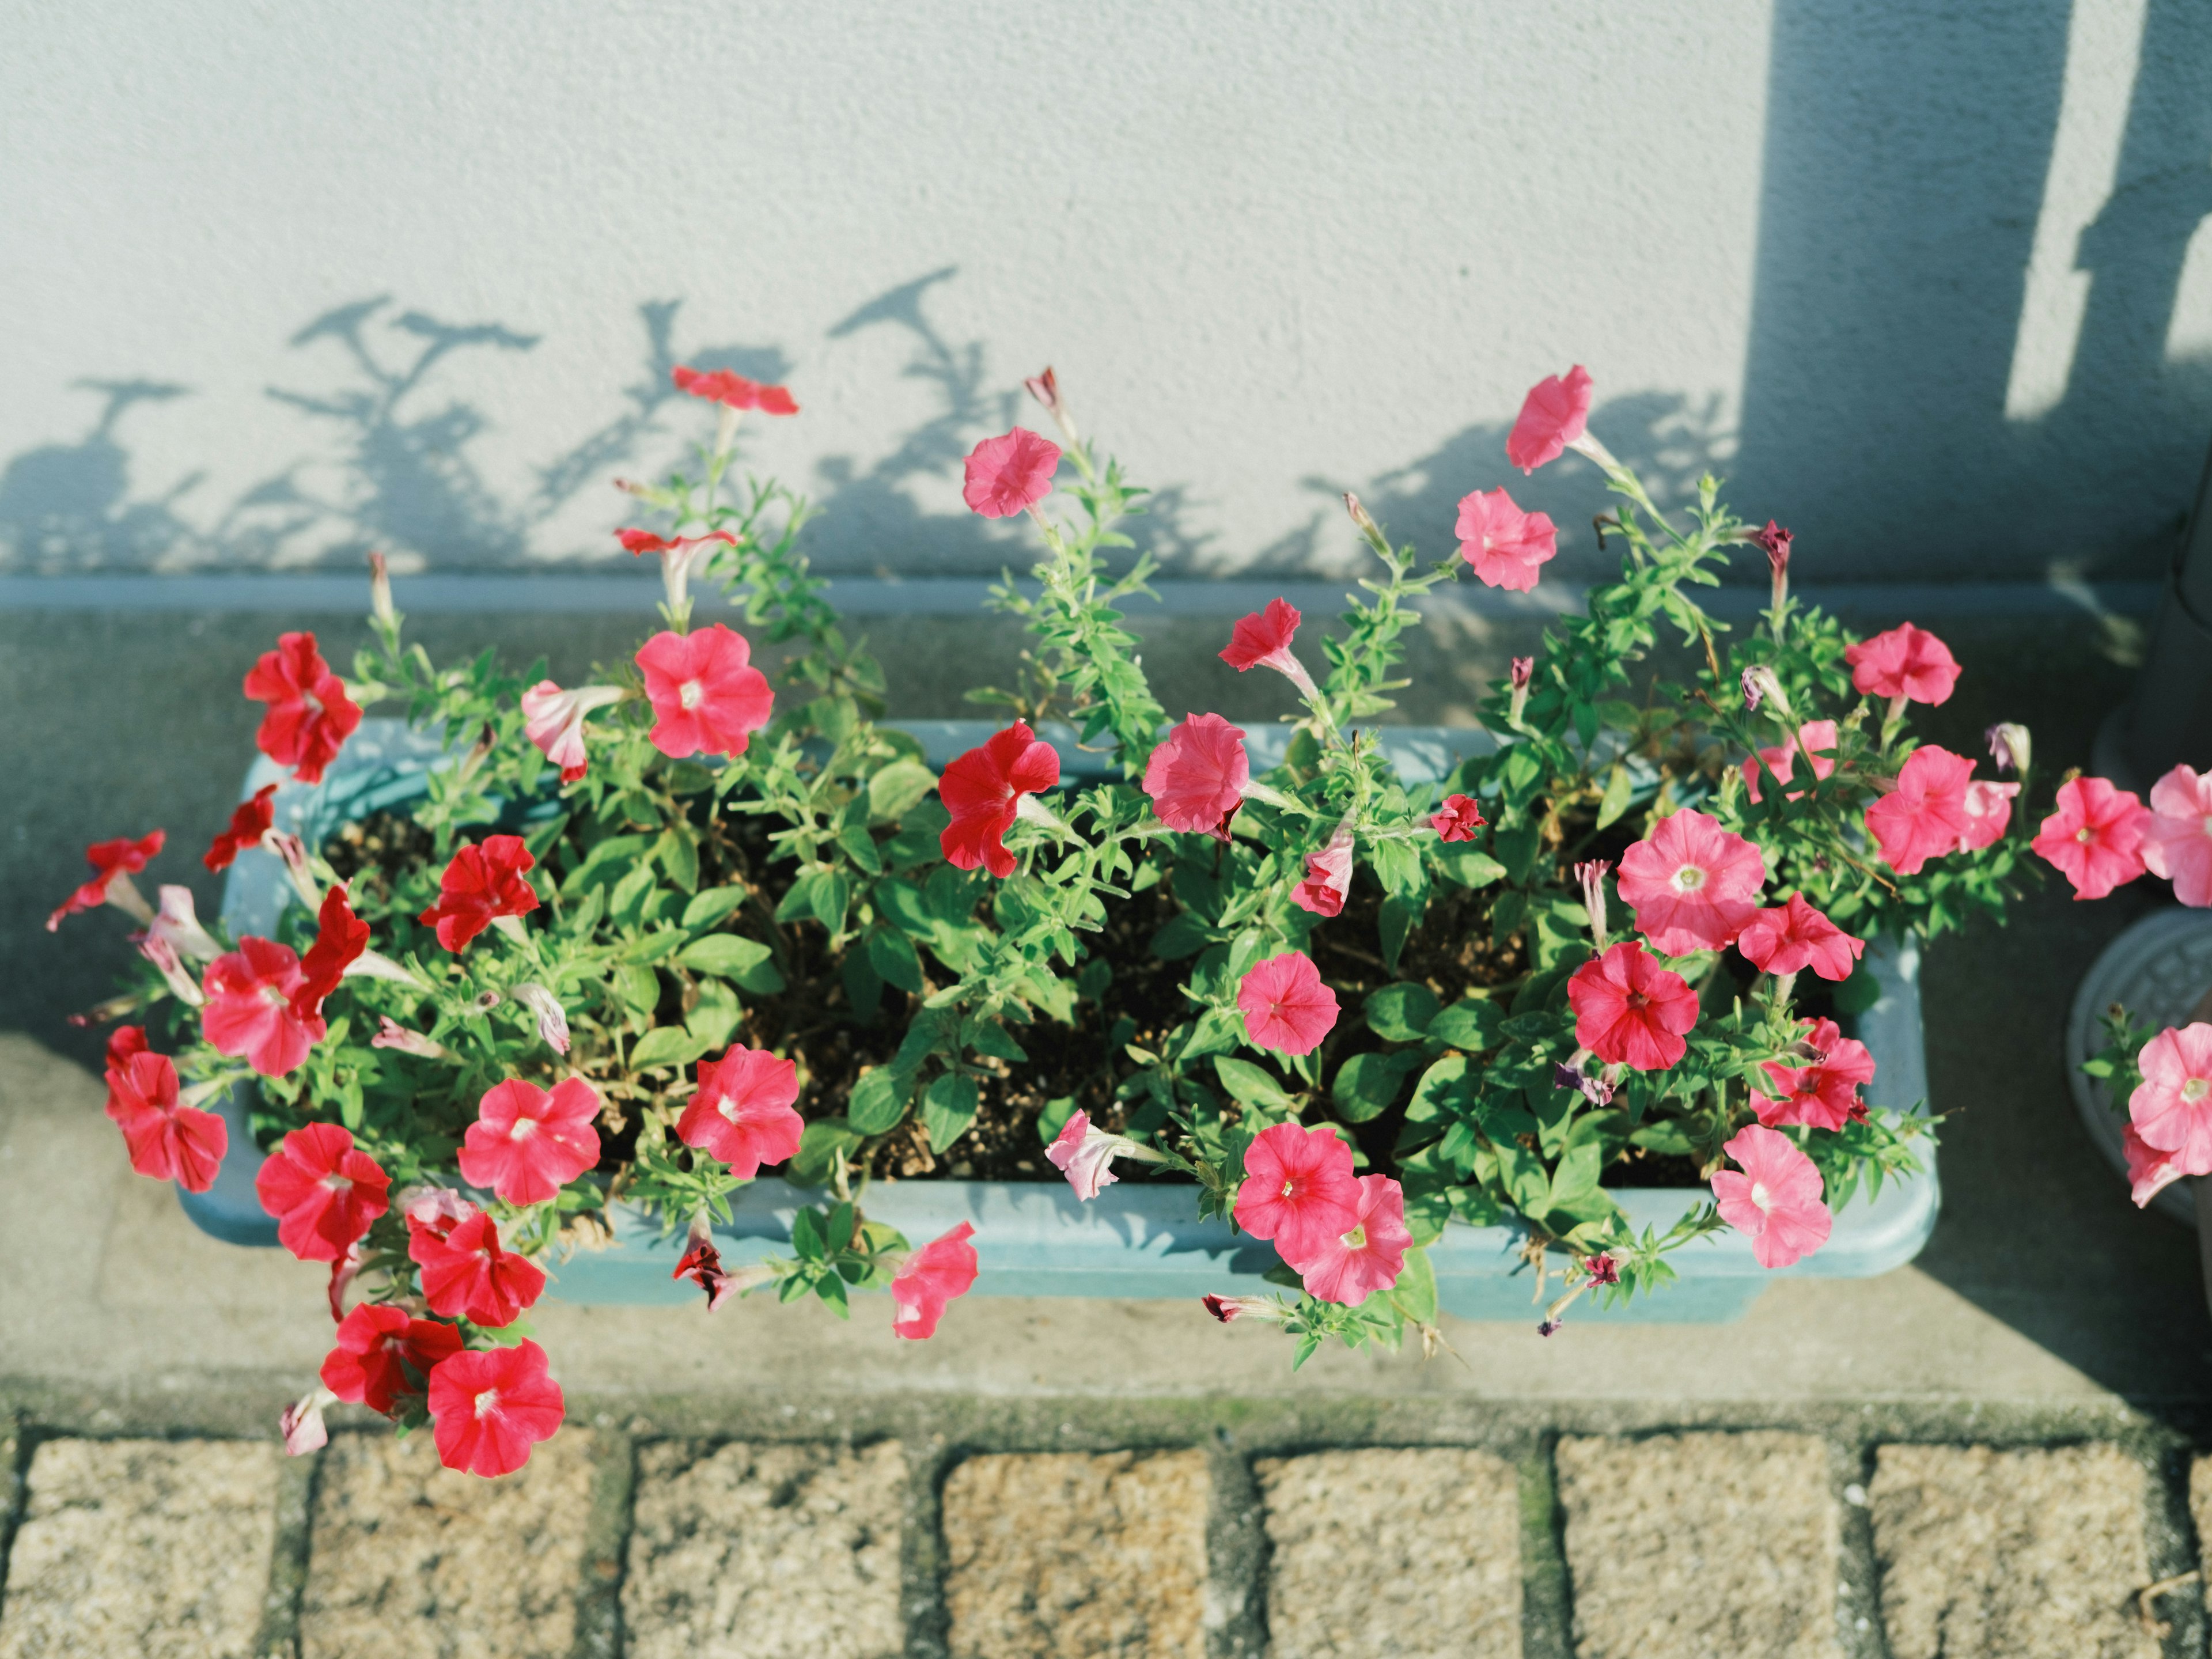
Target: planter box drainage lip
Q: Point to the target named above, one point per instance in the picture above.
(1134, 1239)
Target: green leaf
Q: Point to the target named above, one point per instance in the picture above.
(729, 955)
(1472, 1024)
(1859, 993)
(638, 988)
(1365, 1085)
(1251, 1084)
(711, 906)
(986, 1036)
(716, 1015)
(1399, 916)
(1183, 936)
(1617, 793)
(820, 1144)
(540, 837)
(895, 959)
(627, 902)
(679, 855)
(1401, 1012)
(668, 1045)
(879, 1101)
(897, 788)
(948, 1107)
(1054, 1118)
(860, 846)
(1415, 1293)
(1397, 865)
(1469, 868)
(806, 1236)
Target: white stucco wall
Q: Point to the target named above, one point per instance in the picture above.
(1273, 250)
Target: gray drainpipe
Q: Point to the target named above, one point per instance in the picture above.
(2169, 719)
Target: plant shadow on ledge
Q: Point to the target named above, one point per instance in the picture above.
(632, 942)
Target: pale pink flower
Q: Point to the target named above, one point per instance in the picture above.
(1907, 662)
(1284, 1004)
(1298, 1190)
(1815, 740)
(1368, 1256)
(390, 1034)
(1693, 884)
(1327, 877)
(2095, 838)
(552, 1018)
(2150, 1171)
(1085, 1156)
(554, 721)
(301, 1424)
(1553, 416)
(1196, 777)
(1591, 874)
(1792, 937)
(1988, 814)
(2171, 1107)
(1926, 816)
(177, 926)
(2177, 842)
(1777, 1198)
(1010, 473)
(1504, 546)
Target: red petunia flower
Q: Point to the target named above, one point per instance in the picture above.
(1284, 1004)
(982, 790)
(1815, 740)
(1988, 814)
(382, 1354)
(483, 884)
(1792, 937)
(250, 1010)
(1327, 877)
(1907, 662)
(1825, 1094)
(1196, 777)
(644, 541)
(1777, 1198)
(708, 698)
(527, 1144)
(1368, 1256)
(1298, 1190)
(2095, 838)
(1555, 413)
(1263, 639)
(1009, 474)
(341, 937)
(554, 721)
(489, 1407)
(249, 819)
(932, 1277)
(1458, 818)
(1631, 1011)
(733, 391)
(1693, 884)
(323, 1191)
(466, 1272)
(167, 1141)
(310, 716)
(113, 861)
(742, 1112)
(1505, 547)
(1926, 816)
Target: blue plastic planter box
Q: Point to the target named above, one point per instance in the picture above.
(1034, 1239)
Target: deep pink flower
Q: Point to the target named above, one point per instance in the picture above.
(1085, 1155)
(1196, 777)
(1263, 639)
(1774, 542)
(341, 938)
(1458, 818)
(1693, 884)
(250, 1010)
(490, 1407)
(2171, 1107)
(526, 1143)
(2150, 1171)
(1327, 877)
(248, 820)
(378, 1348)
(1907, 662)
(1926, 816)
(733, 391)
(1792, 937)
(1299, 1190)
(112, 861)
(982, 790)
(1816, 739)
(1988, 814)
(1777, 1198)
(742, 1111)
(310, 716)
(1505, 546)
(1368, 1256)
(2177, 842)
(1285, 1005)
(1825, 1094)
(323, 1190)
(167, 1141)
(701, 1263)
(1010, 473)
(1554, 414)
(933, 1275)
(2095, 838)
(482, 883)
(467, 1272)
(1631, 1011)
(706, 696)
(554, 721)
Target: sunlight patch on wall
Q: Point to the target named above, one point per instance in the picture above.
(2189, 336)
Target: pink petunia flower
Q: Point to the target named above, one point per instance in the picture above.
(2095, 838)
(742, 1111)
(1777, 1198)
(310, 716)
(113, 862)
(1298, 1190)
(381, 1354)
(2176, 841)
(1815, 740)
(341, 938)
(733, 391)
(1085, 1155)
(1284, 1004)
(1263, 639)
(1631, 1011)
(2150, 1171)
(177, 926)
(527, 1143)
(323, 1190)
(1693, 884)
(1010, 473)
(1458, 818)
(1988, 814)
(249, 820)
(706, 696)
(1197, 774)
(483, 883)
(932, 1277)
(1553, 416)
(490, 1407)
(983, 789)
(2171, 1107)
(1505, 547)
(1825, 1094)
(301, 1424)
(554, 721)
(1327, 877)
(467, 1272)
(250, 1010)
(1907, 662)
(1368, 1256)
(1926, 816)
(168, 1140)
(1792, 937)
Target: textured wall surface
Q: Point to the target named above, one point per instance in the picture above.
(279, 282)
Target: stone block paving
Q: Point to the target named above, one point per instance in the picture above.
(1704, 1545)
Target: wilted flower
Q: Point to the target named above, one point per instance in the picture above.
(552, 1018)
(1591, 877)
(1458, 818)
(1761, 684)
(249, 821)
(1522, 669)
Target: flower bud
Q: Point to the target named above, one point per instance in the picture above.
(1762, 684)
(159, 950)
(1592, 878)
(390, 1034)
(1524, 668)
(301, 1423)
(380, 592)
(2010, 746)
(1365, 521)
(552, 1018)
(293, 852)
(1226, 1308)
